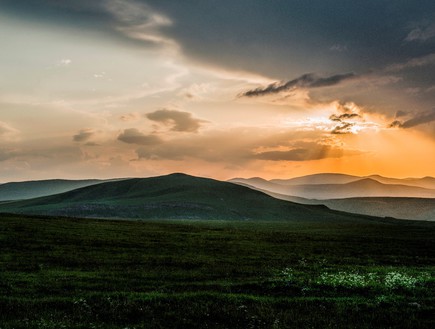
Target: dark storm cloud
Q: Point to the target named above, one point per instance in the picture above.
(415, 121)
(275, 38)
(134, 136)
(179, 120)
(304, 81)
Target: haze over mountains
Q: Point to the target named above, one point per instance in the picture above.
(334, 178)
(175, 196)
(321, 186)
(410, 198)
(182, 196)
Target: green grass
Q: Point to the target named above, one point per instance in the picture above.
(85, 273)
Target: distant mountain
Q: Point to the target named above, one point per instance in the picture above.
(425, 182)
(333, 178)
(35, 189)
(403, 208)
(318, 179)
(360, 188)
(175, 196)
(400, 208)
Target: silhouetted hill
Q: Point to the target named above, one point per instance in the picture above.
(35, 189)
(171, 197)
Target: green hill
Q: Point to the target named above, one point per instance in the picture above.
(175, 196)
(34, 189)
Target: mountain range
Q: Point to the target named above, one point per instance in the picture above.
(363, 187)
(409, 198)
(175, 196)
(180, 196)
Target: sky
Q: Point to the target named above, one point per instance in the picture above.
(221, 89)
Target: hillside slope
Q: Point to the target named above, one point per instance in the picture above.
(35, 189)
(171, 197)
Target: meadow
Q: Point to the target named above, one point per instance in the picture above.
(89, 273)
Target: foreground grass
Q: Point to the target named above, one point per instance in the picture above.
(72, 273)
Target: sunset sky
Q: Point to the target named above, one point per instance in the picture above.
(222, 89)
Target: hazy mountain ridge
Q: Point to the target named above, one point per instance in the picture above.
(335, 178)
(365, 187)
(38, 188)
(171, 197)
(375, 195)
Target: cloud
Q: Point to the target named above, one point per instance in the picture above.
(7, 132)
(340, 117)
(83, 135)
(64, 62)
(140, 22)
(241, 146)
(180, 121)
(347, 120)
(305, 151)
(306, 81)
(134, 136)
(412, 63)
(421, 33)
(133, 116)
(415, 121)
(400, 114)
(343, 128)
(6, 154)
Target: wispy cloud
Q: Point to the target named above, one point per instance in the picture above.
(64, 62)
(178, 120)
(133, 116)
(305, 81)
(7, 132)
(419, 119)
(413, 62)
(139, 21)
(421, 33)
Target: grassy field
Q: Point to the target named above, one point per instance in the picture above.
(84, 273)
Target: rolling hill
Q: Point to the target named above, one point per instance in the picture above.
(175, 196)
(35, 189)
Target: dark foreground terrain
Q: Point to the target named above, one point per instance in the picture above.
(85, 273)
